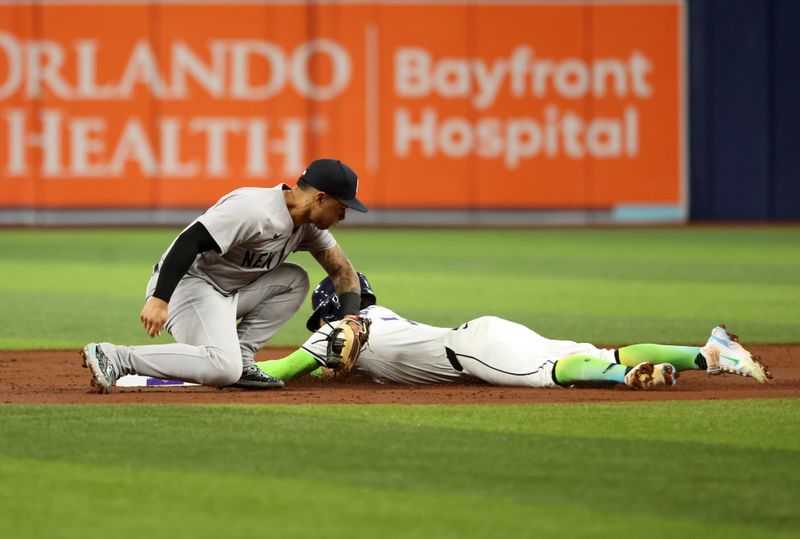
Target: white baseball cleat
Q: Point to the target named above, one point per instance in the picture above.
(647, 376)
(103, 373)
(723, 353)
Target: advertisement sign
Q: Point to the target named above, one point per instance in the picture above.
(437, 105)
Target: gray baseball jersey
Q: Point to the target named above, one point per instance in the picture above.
(247, 281)
(255, 234)
(489, 348)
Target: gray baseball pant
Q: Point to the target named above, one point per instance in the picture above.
(211, 349)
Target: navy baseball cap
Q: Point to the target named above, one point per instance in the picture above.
(336, 180)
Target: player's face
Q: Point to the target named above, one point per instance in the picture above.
(327, 211)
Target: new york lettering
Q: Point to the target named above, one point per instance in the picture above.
(254, 259)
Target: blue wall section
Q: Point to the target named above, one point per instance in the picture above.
(786, 109)
(744, 86)
(739, 106)
(700, 120)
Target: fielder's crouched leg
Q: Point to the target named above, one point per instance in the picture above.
(205, 365)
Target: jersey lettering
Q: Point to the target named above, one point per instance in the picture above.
(263, 260)
(248, 259)
(390, 318)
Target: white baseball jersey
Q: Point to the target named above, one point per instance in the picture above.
(255, 234)
(489, 348)
(398, 350)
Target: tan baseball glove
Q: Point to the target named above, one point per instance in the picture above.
(345, 341)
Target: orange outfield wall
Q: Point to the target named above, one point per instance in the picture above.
(168, 105)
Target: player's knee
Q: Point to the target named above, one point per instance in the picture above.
(228, 375)
(298, 278)
(227, 367)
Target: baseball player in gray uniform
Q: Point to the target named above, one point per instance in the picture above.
(228, 265)
(501, 352)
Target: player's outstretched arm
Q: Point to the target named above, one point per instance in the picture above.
(334, 346)
(295, 364)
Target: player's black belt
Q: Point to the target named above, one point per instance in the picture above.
(451, 357)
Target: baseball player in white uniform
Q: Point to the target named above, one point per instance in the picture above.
(228, 265)
(501, 352)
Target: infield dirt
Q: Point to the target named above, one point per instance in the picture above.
(56, 377)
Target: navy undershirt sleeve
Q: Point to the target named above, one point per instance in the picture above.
(194, 240)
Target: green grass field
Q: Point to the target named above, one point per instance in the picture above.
(61, 289)
(722, 469)
(661, 469)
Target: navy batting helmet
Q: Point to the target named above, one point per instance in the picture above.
(325, 302)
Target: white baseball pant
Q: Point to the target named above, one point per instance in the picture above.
(509, 354)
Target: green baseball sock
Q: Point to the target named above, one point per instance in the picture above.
(295, 364)
(580, 369)
(683, 358)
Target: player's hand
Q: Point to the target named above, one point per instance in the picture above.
(154, 316)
